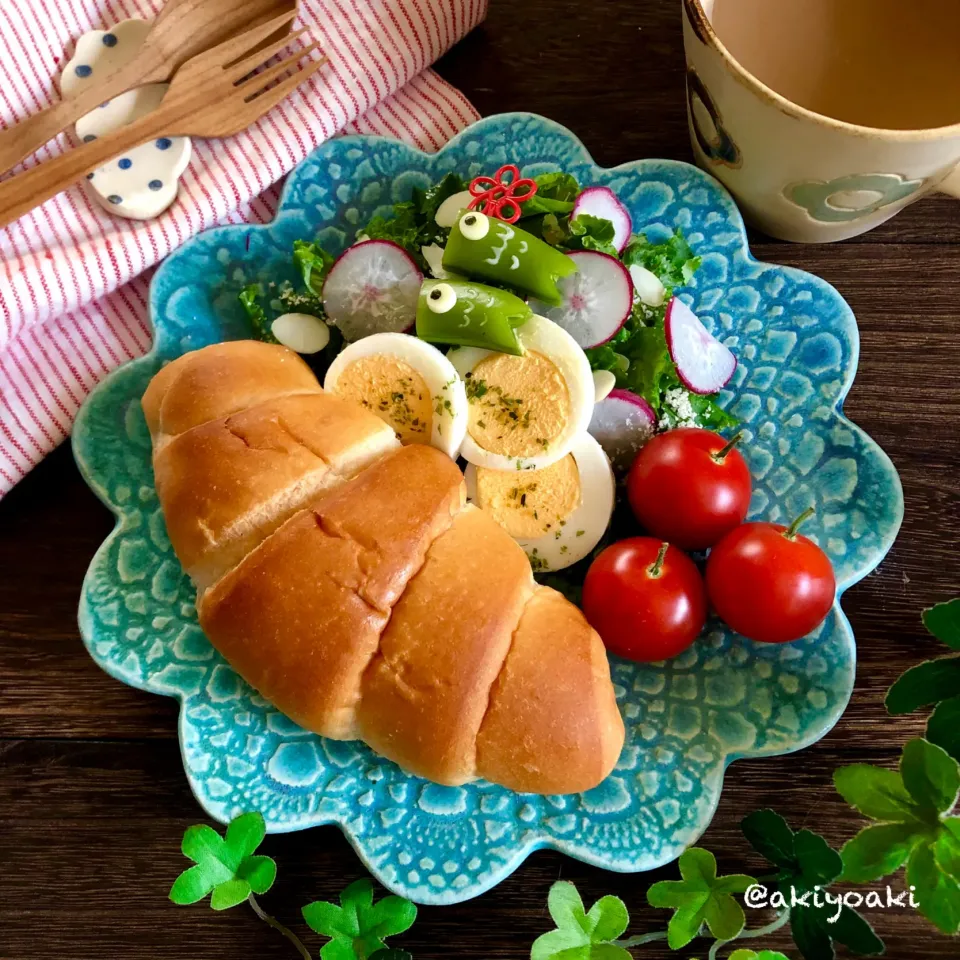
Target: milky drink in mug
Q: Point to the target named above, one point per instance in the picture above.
(825, 117)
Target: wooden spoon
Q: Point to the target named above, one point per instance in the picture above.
(212, 95)
(183, 29)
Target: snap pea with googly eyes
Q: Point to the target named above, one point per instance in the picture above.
(466, 314)
(484, 248)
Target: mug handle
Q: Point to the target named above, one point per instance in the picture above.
(951, 185)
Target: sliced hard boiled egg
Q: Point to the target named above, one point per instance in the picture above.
(558, 514)
(525, 411)
(408, 384)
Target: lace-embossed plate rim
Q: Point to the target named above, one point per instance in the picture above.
(725, 699)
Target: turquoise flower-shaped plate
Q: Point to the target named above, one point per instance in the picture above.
(724, 700)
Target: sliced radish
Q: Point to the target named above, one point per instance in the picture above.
(704, 364)
(372, 288)
(647, 286)
(597, 299)
(602, 202)
(301, 332)
(622, 424)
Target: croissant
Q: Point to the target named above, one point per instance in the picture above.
(345, 578)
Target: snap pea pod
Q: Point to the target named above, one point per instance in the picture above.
(467, 314)
(485, 248)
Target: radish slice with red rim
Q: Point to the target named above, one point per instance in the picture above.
(597, 299)
(602, 202)
(622, 424)
(703, 363)
(372, 288)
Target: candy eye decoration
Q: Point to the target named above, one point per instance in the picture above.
(474, 226)
(442, 298)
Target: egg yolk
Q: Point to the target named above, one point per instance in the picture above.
(393, 390)
(530, 504)
(518, 405)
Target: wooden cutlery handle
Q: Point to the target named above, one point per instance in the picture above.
(23, 192)
(31, 133)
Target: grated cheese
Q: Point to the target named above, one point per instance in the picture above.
(678, 401)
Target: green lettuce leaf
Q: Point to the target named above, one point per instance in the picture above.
(405, 228)
(707, 412)
(639, 358)
(556, 194)
(587, 232)
(314, 264)
(250, 299)
(413, 224)
(673, 261)
(427, 202)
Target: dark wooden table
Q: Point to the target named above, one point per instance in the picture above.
(93, 800)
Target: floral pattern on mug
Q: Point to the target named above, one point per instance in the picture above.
(707, 124)
(850, 198)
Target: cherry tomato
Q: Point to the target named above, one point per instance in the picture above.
(769, 583)
(689, 487)
(645, 598)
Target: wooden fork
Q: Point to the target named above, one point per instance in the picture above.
(182, 29)
(216, 94)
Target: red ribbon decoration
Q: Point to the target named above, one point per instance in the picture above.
(494, 197)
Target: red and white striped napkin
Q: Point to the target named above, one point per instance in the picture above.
(73, 280)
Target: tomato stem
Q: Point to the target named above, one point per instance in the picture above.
(791, 532)
(657, 568)
(721, 455)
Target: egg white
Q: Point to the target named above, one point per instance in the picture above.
(562, 547)
(443, 382)
(553, 342)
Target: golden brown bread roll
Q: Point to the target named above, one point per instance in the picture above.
(260, 466)
(304, 612)
(219, 380)
(554, 688)
(426, 692)
(346, 580)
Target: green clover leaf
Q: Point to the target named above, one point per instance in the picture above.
(700, 897)
(935, 682)
(814, 931)
(926, 683)
(808, 865)
(912, 828)
(358, 927)
(225, 866)
(947, 848)
(943, 621)
(937, 893)
(805, 859)
(580, 934)
(753, 955)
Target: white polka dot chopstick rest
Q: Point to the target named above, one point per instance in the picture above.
(144, 181)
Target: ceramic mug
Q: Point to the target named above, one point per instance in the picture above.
(798, 174)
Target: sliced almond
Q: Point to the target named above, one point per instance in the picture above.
(301, 332)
